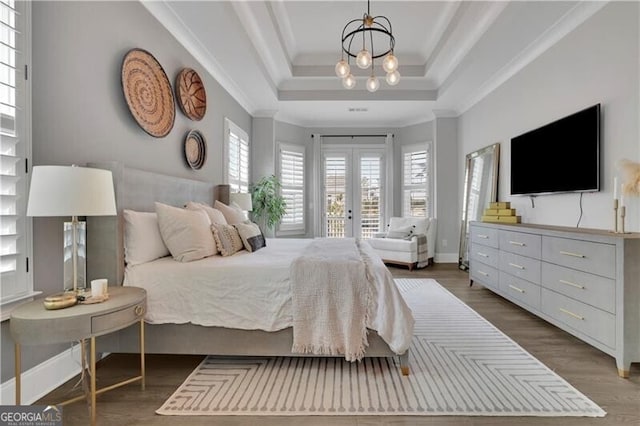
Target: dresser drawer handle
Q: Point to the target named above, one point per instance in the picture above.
(576, 316)
(483, 273)
(568, 253)
(482, 254)
(138, 310)
(581, 287)
(483, 236)
(515, 265)
(516, 288)
(517, 243)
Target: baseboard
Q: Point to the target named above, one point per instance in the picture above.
(446, 258)
(43, 378)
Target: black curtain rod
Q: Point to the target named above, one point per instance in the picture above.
(353, 136)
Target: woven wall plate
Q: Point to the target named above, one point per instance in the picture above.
(192, 98)
(195, 149)
(148, 93)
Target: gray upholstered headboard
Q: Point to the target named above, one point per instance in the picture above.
(134, 190)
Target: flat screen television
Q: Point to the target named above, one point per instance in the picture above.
(563, 156)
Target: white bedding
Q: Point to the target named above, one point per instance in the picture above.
(251, 291)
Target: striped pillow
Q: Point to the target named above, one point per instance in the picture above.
(251, 236)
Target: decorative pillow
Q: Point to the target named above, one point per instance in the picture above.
(251, 236)
(185, 232)
(215, 215)
(231, 214)
(227, 239)
(142, 239)
(400, 233)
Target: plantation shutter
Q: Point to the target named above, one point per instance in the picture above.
(416, 197)
(238, 158)
(14, 149)
(292, 181)
(370, 207)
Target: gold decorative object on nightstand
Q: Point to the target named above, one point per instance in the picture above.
(500, 212)
(60, 300)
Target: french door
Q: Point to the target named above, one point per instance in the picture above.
(353, 188)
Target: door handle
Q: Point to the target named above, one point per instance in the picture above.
(349, 217)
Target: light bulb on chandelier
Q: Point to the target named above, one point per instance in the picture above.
(342, 69)
(373, 83)
(371, 29)
(349, 82)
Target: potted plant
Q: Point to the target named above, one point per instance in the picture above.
(268, 204)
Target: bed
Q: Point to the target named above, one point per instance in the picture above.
(139, 190)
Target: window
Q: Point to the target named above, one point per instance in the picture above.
(292, 180)
(416, 180)
(237, 156)
(15, 147)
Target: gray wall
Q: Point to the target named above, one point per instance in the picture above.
(597, 63)
(80, 115)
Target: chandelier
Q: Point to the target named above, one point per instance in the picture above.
(358, 38)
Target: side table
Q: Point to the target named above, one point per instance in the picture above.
(32, 324)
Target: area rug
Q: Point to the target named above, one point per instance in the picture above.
(460, 365)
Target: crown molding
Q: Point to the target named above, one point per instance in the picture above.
(445, 113)
(357, 95)
(569, 22)
(168, 18)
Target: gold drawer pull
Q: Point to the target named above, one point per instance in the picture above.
(483, 273)
(516, 288)
(576, 316)
(515, 265)
(138, 310)
(568, 253)
(482, 254)
(483, 236)
(517, 243)
(581, 287)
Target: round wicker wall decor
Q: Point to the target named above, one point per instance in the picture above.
(148, 92)
(192, 98)
(195, 149)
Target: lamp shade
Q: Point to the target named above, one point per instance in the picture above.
(71, 191)
(242, 199)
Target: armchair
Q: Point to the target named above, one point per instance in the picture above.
(408, 241)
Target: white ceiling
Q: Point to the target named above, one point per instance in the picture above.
(277, 58)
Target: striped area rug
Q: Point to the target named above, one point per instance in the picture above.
(460, 365)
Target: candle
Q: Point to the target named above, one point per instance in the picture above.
(615, 188)
(622, 198)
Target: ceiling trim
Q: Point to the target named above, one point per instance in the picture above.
(265, 40)
(357, 95)
(283, 25)
(440, 29)
(182, 33)
(569, 22)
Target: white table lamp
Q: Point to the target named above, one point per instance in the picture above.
(243, 200)
(71, 191)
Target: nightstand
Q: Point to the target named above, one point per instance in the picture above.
(32, 324)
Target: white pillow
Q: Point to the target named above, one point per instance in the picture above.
(215, 215)
(232, 214)
(142, 239)
(186, 233)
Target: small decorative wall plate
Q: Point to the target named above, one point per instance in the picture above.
(148, 93)
(191, 95)
(195, 149)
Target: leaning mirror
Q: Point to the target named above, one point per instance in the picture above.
(480, 188)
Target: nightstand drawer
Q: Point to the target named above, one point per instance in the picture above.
(521, 243)
(116, 320)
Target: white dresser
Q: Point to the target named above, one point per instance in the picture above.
(585, 281)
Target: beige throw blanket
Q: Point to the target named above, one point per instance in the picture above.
(331, 292)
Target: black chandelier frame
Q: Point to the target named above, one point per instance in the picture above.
(368, 25)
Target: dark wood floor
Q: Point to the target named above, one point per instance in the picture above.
(589, 370)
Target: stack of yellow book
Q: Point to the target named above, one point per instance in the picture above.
(500, 212)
